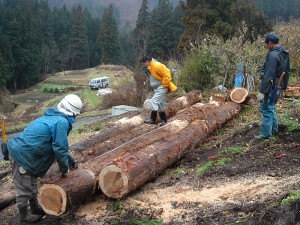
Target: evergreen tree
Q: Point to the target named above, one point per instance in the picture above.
(108, 38)
(220, 17)
(141, 32)
(79, 40)
(5, 60)
(62, 25)
(161, 30)
(93, 28)
(279, 10)
(178, 27)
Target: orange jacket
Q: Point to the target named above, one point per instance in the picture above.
(160, 72)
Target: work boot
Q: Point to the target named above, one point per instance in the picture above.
(163, 118)
(35, 207)
(28, 217)
(152, 119)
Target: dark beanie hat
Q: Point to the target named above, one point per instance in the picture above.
(272, 38)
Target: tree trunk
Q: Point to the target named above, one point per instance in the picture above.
(127, 124)
(125, 130)
(238, 95)
(127, 173)
(164, 145)
(58, 194)
(6, 199)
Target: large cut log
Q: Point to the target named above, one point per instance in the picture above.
(180, 122)
(140, 141)
(126, 124)
(6, 199)
(126, 174)
(58, 195)
(292, 92)
(126, 129)
(238, 95)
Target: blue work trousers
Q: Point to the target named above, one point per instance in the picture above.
(269, 124)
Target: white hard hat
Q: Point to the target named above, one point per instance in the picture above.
(70, 105)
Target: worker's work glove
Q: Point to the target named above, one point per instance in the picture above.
(65, 175)
(73, 164)
(260, 97)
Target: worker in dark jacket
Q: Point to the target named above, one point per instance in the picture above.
(35, 149)
(277, 62)
(161, 82)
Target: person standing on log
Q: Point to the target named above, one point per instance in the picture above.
(35, 149)
(274, 79)
(161, 82)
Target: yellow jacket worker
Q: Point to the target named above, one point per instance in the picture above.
(161, 81)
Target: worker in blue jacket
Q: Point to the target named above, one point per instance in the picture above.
(277, 64)
(35, 149)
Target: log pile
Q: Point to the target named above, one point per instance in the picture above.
(127, 124)
(125, 130)
(292, 92)
(131, 163)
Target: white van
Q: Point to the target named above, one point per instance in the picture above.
(100, 82)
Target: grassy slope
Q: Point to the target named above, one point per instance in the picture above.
(32, 103)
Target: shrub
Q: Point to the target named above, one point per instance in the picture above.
(197, 73)
(125, 94)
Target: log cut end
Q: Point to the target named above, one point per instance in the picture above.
(238, 95)
(53, 199)
(113, 182)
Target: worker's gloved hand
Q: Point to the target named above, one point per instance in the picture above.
(65, 175)
(260, 97)
(73, 164)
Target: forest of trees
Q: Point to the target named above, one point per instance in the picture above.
(36, 40)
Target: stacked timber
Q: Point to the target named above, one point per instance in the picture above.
(292, 92)
(125, 130)
(127, 124)
(131, 164)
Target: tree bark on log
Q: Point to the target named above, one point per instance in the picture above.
(6, 199)
(134, 144)
(131, 171)
(57, 195)
(205, 119)
(126, 124)
(125, 130)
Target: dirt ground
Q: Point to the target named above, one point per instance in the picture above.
(244, 182)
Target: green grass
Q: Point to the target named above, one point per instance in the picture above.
(85, 128)
(232, 151)
(223, 158)
(90, 100)
(52, 88)
(14, 129)
(145, 222)
(291, 198)
(178, 172)
(205, 167)
(292, 125)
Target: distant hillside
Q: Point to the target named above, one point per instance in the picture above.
(127, 9)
